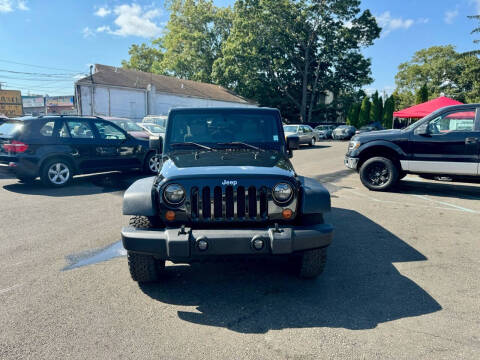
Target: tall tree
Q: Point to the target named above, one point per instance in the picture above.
(364, 116)
(422, 94)
(388, 112)
(294, 50)
(476, 41)
(353, 115)
(142, 57)
(376, 109)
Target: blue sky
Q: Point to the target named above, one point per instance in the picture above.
(62, 37)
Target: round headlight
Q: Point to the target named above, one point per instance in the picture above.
(282, 192)
(174, 194)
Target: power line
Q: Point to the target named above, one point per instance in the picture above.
(36, 74)
(39, 66)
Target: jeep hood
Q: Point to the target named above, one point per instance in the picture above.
(241, 163)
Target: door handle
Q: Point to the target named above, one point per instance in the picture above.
(471, 140)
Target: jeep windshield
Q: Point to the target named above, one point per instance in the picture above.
(224, 130)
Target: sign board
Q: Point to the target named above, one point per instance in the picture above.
(60, 101)
(11, 103)
(32, 101)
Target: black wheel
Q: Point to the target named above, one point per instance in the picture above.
(379, 174)
(26, 179)
(144, 268)
(152, 163)
(312, 142)
(311, 263)
(56, 172)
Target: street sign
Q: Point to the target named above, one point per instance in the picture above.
(11, 103)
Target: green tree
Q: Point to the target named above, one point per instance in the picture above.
(353, 115)
(388, 112)
(364, 115)
(287, 53)
(476, 41)
(422, 94)
(142, 57)
(376, 109)
(443, 70)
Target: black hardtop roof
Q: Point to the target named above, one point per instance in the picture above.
(224, 109)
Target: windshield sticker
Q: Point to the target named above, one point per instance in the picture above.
(275, 137)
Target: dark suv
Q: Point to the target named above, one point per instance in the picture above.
(444, 143)
(226, 189)
(58, 147)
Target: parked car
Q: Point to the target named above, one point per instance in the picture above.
(305, 133)
(226, 189)
(343, 132)
(156, 119)
(56, 148)
(376, 126)
(324, 131)
(153, 129)
(130, 127)
(444, 143)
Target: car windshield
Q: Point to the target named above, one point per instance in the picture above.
(10, 128)
(224, 130)
(127, 125)
(154, 128)
(160, 120)
(290, 128)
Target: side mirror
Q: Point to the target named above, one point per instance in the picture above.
(422, 130)
(156, 143)
(293, 142)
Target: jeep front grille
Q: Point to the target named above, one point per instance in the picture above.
(229, 203)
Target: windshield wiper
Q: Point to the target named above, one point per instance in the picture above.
(204, 147)
(239, 143)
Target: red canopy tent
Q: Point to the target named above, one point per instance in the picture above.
(422, 110)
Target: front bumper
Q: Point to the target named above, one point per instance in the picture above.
(351, 162)
(175, 245)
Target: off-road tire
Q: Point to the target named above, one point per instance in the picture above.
(311, 263)
(144, 268)
(384, 163)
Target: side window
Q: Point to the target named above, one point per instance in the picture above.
(308, 129)
(461, 121)
(80, 129)
(64, 133)
(47, 129)
(109, 132)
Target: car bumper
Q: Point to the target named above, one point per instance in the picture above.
(173, 244)
(351, 162)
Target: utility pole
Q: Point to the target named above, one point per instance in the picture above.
(45, 104)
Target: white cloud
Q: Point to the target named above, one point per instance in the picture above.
(134, 20)
(389, 23)
(87, 32)
(103, 11)
(10, 5)
(450, 16)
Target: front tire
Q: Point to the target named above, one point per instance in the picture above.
(311, 263)
(379, 174)
(312, 142)
(144, 268)
(152, 163)
(56, 173)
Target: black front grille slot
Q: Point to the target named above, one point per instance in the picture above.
(217, 202)
(206, 213)
(241, 202)
(229, 202)
(194, 202)
(263, 203)
(252, 202)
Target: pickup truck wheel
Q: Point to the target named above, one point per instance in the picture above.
(144, 268)
(311, 263)
(379, 174)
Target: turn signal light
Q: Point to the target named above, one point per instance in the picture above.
(170, 215)
(287, 214)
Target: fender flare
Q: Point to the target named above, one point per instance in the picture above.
(139, 198)
(384, 143)
(314, 197)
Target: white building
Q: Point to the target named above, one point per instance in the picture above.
(119, 92)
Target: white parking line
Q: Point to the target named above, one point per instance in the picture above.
(2, 291)
(447, 204)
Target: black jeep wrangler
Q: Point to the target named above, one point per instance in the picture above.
(225, 189)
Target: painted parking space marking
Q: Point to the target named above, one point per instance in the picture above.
(461, 208)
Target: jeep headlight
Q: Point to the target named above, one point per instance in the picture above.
(174, 194)
(353, 145)
(282, 192)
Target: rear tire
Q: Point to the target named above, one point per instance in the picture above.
(56, 173)
(379, 174)
(311, 263)
(151, 164)
(144, 268)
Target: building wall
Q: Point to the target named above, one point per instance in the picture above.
(132, 103)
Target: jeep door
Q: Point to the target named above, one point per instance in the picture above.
(449, 146)
(114, 148)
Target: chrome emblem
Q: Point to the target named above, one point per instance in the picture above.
(229, 182)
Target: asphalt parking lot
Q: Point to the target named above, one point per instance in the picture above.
(401, 280)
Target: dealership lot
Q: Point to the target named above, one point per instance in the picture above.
(401, 279)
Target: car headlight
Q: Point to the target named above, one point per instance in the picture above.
(282, 192)
(353, 145)
(174, 194)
